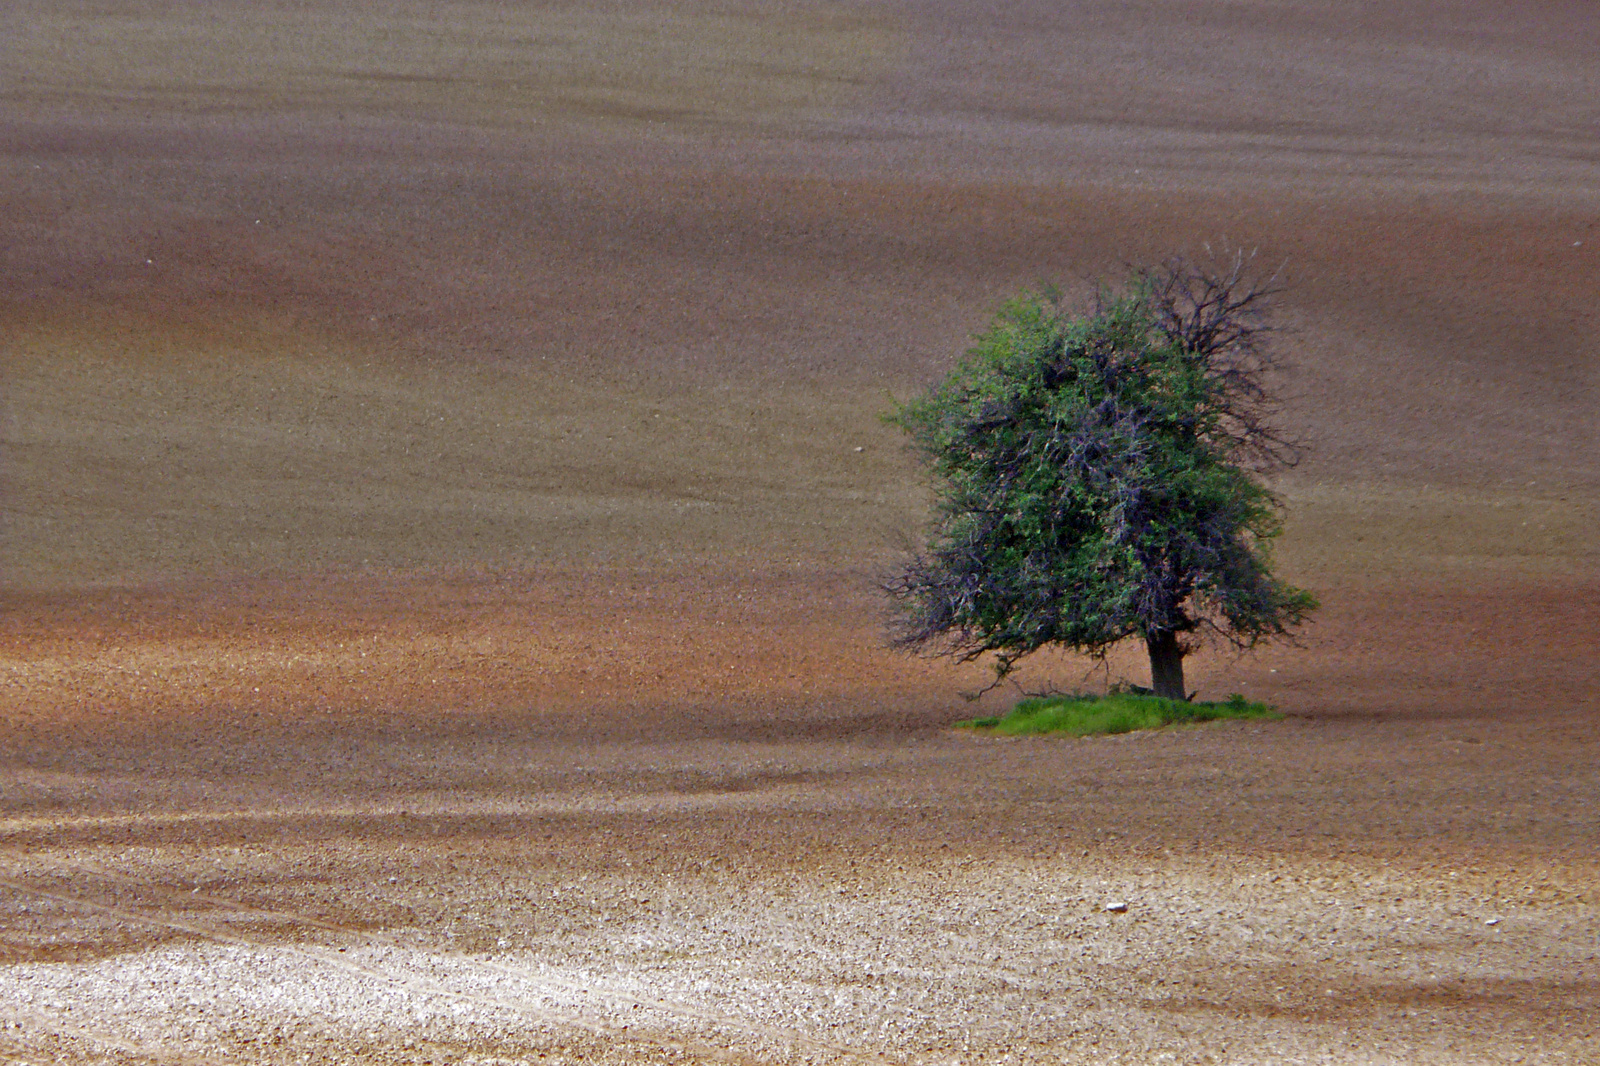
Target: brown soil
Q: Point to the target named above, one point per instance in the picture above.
(442, 483)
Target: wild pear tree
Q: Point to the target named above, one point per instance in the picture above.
(1097, 480)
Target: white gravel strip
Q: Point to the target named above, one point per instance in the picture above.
(988, 963)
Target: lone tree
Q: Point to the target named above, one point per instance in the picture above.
(1096, 477)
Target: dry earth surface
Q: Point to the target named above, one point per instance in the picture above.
(442, 481)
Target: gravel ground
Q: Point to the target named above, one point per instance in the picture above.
(1307, 891)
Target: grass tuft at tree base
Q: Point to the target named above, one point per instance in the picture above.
(1116, 712)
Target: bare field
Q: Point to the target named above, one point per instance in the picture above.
(441, 485)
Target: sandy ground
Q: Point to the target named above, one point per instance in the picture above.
(442, 482)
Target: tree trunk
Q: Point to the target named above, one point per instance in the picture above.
(1166, 665)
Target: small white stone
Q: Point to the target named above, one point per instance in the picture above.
(1116, 907)
(1491, 921)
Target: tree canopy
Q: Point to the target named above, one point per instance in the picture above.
(1096, 477)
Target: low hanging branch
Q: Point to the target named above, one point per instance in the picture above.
(1096, 480)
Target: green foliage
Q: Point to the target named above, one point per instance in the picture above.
(1118, 712)
(1095, 478)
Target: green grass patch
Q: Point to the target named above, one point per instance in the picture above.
(1118, 712)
